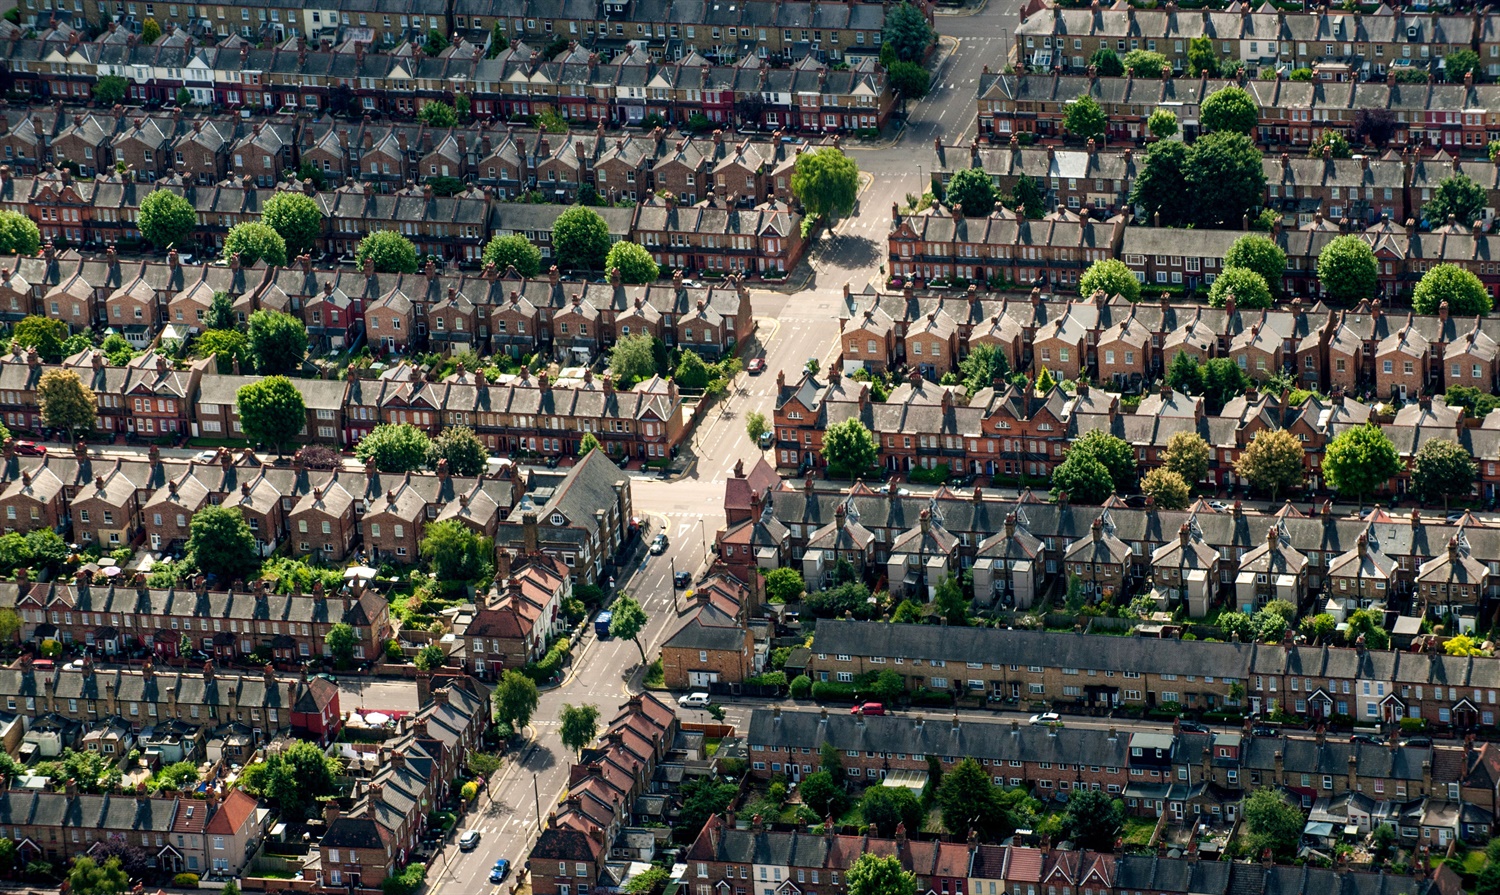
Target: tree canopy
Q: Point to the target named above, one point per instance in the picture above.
(1273, 461)
(166, 219)
(580, 240)
(1229, 109)
(465, 453)
(1249, 289)
(296, 217)
(1112, 277)
(849, 448)
(457, 553)
(19, 234)
(389, 251)
(220, 543)
(66, 403)
(826, 181)
(634, 263)
(1458, 286)
(1084, 117)
(1093, 818)
(294, 779)
(1166, 488)
(1457, 196)
(395, 447)
(907, 30)
(271, 410)
(1259, 253)
(974, 190)
(1442, 470)
(579, 725)
(1347, 269)
(627, 621)
(1359, 461)
(875, 874)
(514, 251)
(254, 242)
(278, 342)
(515, 698)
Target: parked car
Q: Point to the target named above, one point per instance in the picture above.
(682, 579)
(469, 840)
(1191, 727)
(868, 708)
(659, 544)
(1370, 738)
(756, 366)
(500, 870)
(766, 440)
(30, 449)
(693, 700)
(1417, 742)
(1046, 718)
(1261, 730)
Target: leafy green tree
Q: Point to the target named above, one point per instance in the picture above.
(1223, 381)
(973, 190)
(514, 251)
(166, 219)
(1369, 624)
(391, 252)
(228, 346)
(627, 621)
(1115, 453)
(1159, 186)
(1347, 269)
(1187, 454)
(579, 725)
(909, 80)
(633, 262)
(967, 800)
(1332, 140)
(150, 31)
(1249, 289)
(1145, 63)
(1226, 177)
(66, 403)
(88, 878)
(580, 240)
(1026, 197)
(436, 113)
(516, 699)
(456, 552)
(465, 453)
(1442, 469)
(1167, 488)
(1229, 109)
(830, 761)
(1273, 461)
(822, 793)
(632, 359)
(907, 30)
(1093, 818)
(19, 235)
(110, 89)
(702, 798)
(756, 426)
(874, 874)
(1478, 404)
(588, 444)
(1083, 478)
(294, 779)
(1112, 277)
(1463, 645)
(220, 312)
(784, 585)
(1162, 124)
(278, 342)
(886, 807)
(47, 547)
(1459, 63)
(1318, 628)
(1260, 254)
(1106, 63)
(1464, 293)
(45, 334)
(825, 181)
(296, 217)
(849, 448)
(983, 366)
(395, 447)
(430, 657)
(1084, 117)
(1359, 461)
(949, 600)
(220, 543)
(1202, 58)
(271, 411)
(1458, 196)
(1272, 823)
(341, 642)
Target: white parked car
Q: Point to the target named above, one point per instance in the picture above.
(693, 700)
(1045, 718)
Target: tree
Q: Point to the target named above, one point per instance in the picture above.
(10, 625)
(691, 371)
(254, 242)
(973, 190)
(588, 443)
(166, 219)
(221, 543)
(874, 874)
(1442, 469)
(580, 240)
(1229, 109)
(1084, 117)
(1225, 174)
(829, 760)
(465, 453)
(220, 312)
(515, 699)
(228, 346)
(456, 552)
(756, 426)
(1459, 63)
(984, 365)
(1272, 461)
(1359, 461)
(822, 793)
(1114, 453)
(1026, 196)
(1167, 488)
(1202, 58)
(967, 800)
(579, 726)
(632, 359)
(849, 448)
(634, 263)
(909, 80)
(1223, 381)
(1093, 818)
(1260, 254)
(1106, 63)
(294, 779)
(1488, 882)
(1318, 628)
(1249, 289)
(1477, 403)
(341, 642)
(702, 798)
(1112, 277)
(1273, 822)
(908, 31)
(784, 585)
(884, 807)
(436, 113)
(88, 878)
(110, 89)
(1347, 269)
(430, 657)
(19, 235)
(1333, 141)
(271, 411)
(1145, 63)
(1187, 455)
(1159, 186)
(150, 31)
(825, 181)
(1457, 197)
(1083, 478)
(1162, 124)
(66, 403)
(949, 600)
(514, 251)
(45, 334)
(278, 342)
(1463, 645)
(395, 447)
(627, 621)
(296, 217)
(1464, 293)
(1375, 126)
(391, 252)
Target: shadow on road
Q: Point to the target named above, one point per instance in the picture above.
(852, 252)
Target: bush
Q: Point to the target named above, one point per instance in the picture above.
(1413, 725)
(801, 686)
(828, 691)
(769, 679)
(551, 664)
(469, 792)
(185, 881)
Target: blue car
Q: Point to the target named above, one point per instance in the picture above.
(500, 870)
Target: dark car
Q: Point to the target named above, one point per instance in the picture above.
(1367, 738)
(500, 870)
(682, 579)
(1261, 730)
(1191, 727)
(1417, 742)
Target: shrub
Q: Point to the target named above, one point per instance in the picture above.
(801, 686)
(185, 881)
(828, 691)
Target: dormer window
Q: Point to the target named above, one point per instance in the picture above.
(557, 519)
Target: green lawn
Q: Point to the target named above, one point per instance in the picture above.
(1137, 833)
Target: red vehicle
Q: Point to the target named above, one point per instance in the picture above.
(29, 449)
(868, 708)
(756, 365)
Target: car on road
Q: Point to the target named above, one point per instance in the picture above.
(1417, 742)
(1261, 730)
(1454, 517)
(1191, 727)
(1370, 738)
(1045, 718)
(659, 545)
(693, 700)
(500, 870)
(327, 677)
(868, 708)
(1219, 505)
(30, 449)
(74, 665)
(756, 366)
(205, 456)
(682, 579)
(766, 440)
(469, 840)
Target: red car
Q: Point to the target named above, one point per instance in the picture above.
(868, 708)
(756, 365)
(29, 449)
